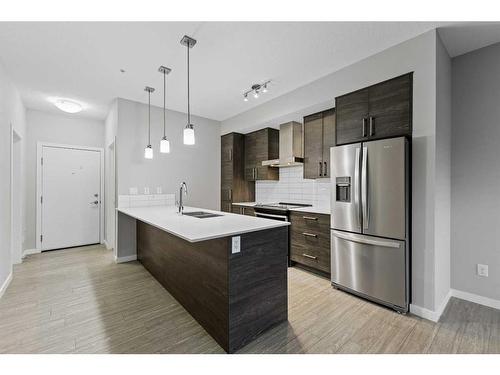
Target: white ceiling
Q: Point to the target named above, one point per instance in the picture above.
(82, 61)
(465, 37)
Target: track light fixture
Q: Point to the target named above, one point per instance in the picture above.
(256, 89)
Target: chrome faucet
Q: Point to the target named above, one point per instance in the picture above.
(181, 204)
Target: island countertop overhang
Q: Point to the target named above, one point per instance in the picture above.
(194, 229)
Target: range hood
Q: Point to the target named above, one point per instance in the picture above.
(291, 146)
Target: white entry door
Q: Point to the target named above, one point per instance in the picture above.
(70, 197)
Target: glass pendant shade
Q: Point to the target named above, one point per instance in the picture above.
(189, 135)
(164, 146)
(148, 152)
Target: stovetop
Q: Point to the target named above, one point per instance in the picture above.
(283, 206)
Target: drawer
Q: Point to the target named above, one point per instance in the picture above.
(310, 254)
(314, 223)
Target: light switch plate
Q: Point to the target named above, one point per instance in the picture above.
(146, 191)
(482, 270)
(158, 190)
(236, 248)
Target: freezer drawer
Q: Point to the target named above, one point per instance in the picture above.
(373, 267)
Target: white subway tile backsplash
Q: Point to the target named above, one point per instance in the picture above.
(292, 187)
(146, 200)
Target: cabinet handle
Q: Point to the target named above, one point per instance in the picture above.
(320, 169)
(253, 174)
(310, 235)
(364, 127)
(325, 173)
(230, 194)
(372, 125)
(309, 256)
(309, 218)
(230, 154)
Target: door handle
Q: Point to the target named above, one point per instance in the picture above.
(367, 241)
(356, 187)
(372, 125)
(325, 173)
(320, 169)
(364, 127)
(364, 188)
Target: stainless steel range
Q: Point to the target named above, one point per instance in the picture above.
(278, 211)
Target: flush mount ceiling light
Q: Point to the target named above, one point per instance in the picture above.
(164, 143)
(256, 89)
(189, 129)
(68, 106)
(148, 151)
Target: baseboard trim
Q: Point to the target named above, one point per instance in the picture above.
(471, 297)
(31, 252)
(430, 314)
(5, 284)
(128, 258)
(424, 313)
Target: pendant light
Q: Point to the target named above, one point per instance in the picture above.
(189, 129)
(148, 151)
(164, 143)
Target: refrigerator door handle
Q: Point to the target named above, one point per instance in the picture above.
(359, 239)
(356, 187)
(364, 189)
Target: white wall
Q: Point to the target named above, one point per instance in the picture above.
(110, 128)
(12, 113)
(443, 173)
(198, 165)
(475, 170)
(417, 55)
(63, 129)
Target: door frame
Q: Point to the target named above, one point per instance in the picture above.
(39, 149)
(16, 254)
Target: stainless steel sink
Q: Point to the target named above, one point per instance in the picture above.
(201, 214)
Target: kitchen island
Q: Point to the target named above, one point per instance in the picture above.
(228, 271)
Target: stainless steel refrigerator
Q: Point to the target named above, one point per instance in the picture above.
(370, 220)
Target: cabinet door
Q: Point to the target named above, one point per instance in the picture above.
(351, 115)
(313, 145)
(226, 206)
(328, 139)
(267, 147)
(250, 156)
(390, 108)
(227, 170)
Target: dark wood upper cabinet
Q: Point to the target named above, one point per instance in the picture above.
(319, 136)
(352, 114)
(234, 187)
(379, 111)
(260, 146)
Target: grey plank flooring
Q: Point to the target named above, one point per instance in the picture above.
(80, 301)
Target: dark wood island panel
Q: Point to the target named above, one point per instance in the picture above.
(235, 297)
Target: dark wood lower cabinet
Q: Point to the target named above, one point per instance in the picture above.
(235, 297)
(310, 240)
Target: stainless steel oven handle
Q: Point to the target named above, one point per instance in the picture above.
(355, 238)
(272, 216)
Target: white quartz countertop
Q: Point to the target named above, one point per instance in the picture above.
(194, 229)
(245, 204)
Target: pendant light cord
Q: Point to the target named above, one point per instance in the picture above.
(149, 117)
(164, 95)
(189, 112)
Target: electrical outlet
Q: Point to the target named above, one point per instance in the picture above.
(482, 270)
(236, 248)
(133, 191)
(146, 191)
